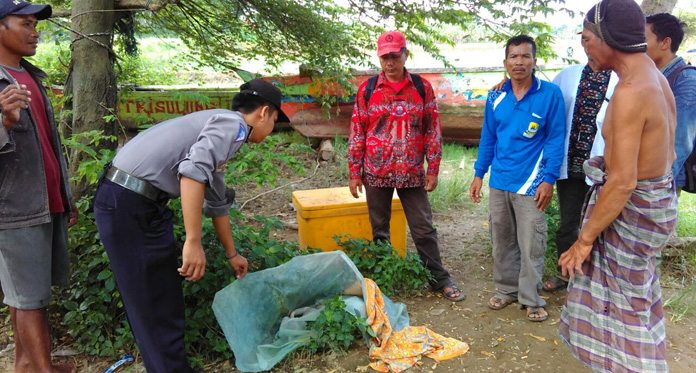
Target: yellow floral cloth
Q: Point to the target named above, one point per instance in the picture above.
(398, 351)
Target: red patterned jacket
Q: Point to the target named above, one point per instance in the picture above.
(390, 138)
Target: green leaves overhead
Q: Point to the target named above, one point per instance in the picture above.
(331, 36)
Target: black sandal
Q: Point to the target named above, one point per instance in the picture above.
(449, 294)
(558, 284)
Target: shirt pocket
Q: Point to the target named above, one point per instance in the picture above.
(532, 126)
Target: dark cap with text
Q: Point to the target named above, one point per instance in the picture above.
(23, 8)
(268, 92)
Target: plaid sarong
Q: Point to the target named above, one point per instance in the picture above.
(612, 319)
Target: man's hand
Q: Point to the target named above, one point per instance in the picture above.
(193, 266)
(355, 186)
(475, 189)
(72, 217)
(571, 260)
(430, 183)
(543, 195)
(240, 265)
(12, 100)
(500, 85)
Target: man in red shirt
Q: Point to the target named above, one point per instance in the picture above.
(395, 127)
(34, 191)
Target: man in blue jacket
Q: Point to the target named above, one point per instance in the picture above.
(522, 143)
(664, 33)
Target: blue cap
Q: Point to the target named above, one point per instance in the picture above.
(23, 8)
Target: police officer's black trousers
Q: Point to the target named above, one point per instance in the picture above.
(137, 234)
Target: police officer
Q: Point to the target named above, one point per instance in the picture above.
(182, 157)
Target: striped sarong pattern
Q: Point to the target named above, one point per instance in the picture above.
(613, 319)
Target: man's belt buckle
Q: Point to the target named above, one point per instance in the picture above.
(134, 184)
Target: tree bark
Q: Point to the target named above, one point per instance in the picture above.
(92, 76)
(657, 6)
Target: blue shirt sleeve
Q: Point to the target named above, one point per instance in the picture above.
(685, 97)
(486, 149)
(555, 138)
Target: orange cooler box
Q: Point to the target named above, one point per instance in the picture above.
(323, 213)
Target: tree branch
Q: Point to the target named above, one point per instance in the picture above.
(123, 6)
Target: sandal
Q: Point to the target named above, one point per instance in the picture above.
(555, 283)
(450, 294)
(502, 303)
(535, 311)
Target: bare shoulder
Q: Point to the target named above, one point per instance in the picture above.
(628, 97)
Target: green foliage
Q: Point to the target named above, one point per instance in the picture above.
(686, 225)
(87, 142)
(456, 175)
(335, 328)
(259, 163)
(679, 271)
(93, 314)
(380, 262)
(329, 36)
(553, 221)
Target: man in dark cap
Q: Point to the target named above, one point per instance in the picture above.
(181, 157)
(35, 198)
(613, 317)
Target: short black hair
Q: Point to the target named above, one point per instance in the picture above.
(520, 39)
(247, 103)
(665, 25)
(3, 20)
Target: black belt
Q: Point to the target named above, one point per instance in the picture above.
(132, 183)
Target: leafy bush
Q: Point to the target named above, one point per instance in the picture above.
(553, 221)
(380, 262)
(258, 163)
(335, 328)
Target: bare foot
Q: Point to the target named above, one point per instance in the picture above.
(497, 303)
(537, 314)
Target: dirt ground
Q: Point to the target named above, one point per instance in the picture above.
(500, 341)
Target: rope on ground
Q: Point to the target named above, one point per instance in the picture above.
(281, 187)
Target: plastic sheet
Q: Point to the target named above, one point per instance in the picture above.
(254, 311)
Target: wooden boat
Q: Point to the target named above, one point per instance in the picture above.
(320, 108)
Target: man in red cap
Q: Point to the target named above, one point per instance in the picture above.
(395, 127)
(34, 190)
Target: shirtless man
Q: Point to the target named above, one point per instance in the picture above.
(614, 293)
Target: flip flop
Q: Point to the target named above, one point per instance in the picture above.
(557, 283)
(502, 303)
(449, 294)
(535, 311)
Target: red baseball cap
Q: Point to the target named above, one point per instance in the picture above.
(390, 42)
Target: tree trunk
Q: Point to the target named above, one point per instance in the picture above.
(92, 76)
(657, 6)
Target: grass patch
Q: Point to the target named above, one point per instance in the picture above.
(456, 174)
(680, 273)
(686, 226)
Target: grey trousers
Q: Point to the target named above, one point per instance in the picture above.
(518, 233)
(420, 221)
